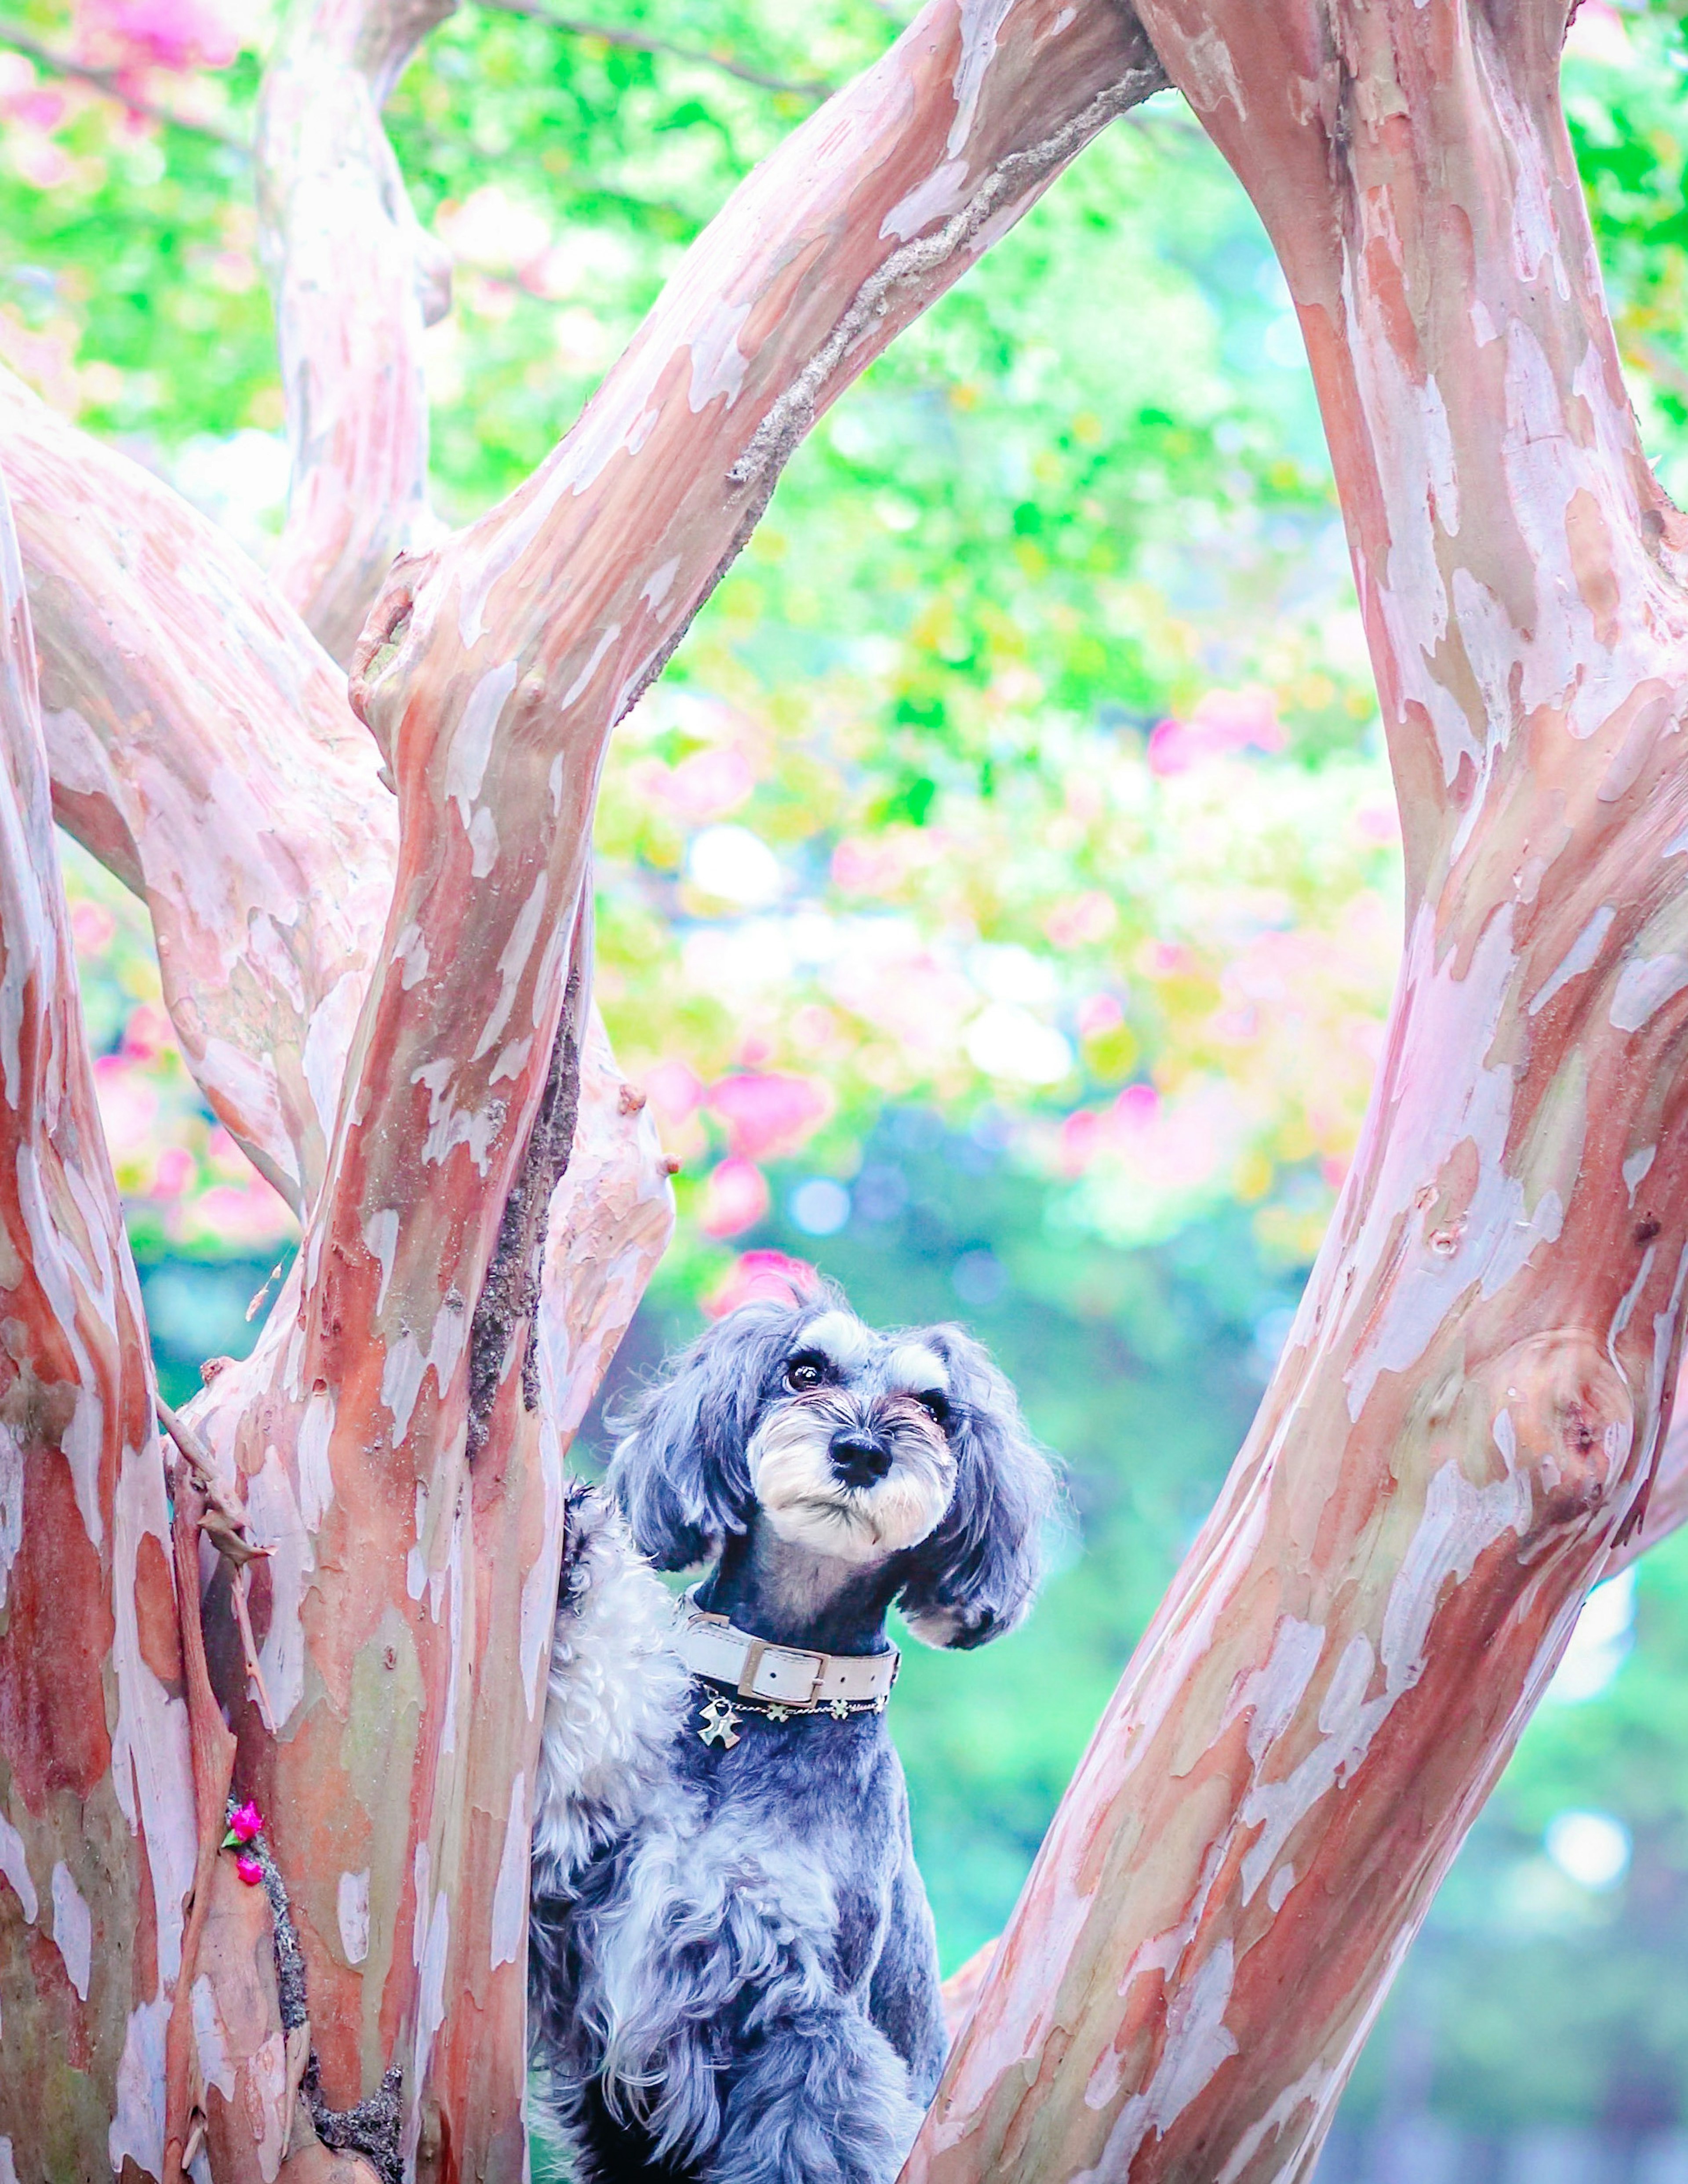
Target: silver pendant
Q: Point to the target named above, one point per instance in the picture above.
(720, 1725)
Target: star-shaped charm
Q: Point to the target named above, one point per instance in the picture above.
(720, 1724)
(840, 1709)
(779, 1713)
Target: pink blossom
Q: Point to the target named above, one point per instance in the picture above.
(147, 1032)
(1163, 958)
(755, 1275)
(1220, 721)
(92, 927)
(865, 867)
(1137, 1107)
(1098, 1013)
(250, 1213)
(172, 34)
(1169, 748)
(42, 110)
(673, 1090)
(1081, 1138)
(708, 784)
(770, 1115)
(247, 1867)
(735, 1198)
(176, 1171)
(246, 1822)
(1082, 918)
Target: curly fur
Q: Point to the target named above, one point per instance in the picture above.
(734, 1975)
(615, 1698)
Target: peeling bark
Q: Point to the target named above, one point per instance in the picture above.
(1466, 1417)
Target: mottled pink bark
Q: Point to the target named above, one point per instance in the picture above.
(222, 774)
(96, 1788)
(1467, 1415)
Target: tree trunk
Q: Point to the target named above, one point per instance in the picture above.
(1463, 1425)
(97, 1829)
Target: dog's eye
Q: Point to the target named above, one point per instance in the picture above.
(804, 1373)
(935, 1405)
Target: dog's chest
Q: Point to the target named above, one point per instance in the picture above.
(811, 1827)
(810, 1775)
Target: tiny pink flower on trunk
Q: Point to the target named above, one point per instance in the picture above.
(248, 1867)
(246, 1822)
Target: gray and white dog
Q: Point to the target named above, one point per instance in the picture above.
(734, 1975)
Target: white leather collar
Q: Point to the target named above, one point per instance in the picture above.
(787, 1676)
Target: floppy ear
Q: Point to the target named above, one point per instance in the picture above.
(678, 1471)
(974, 1578)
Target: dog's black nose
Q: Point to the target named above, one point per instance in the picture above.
(859, 1457)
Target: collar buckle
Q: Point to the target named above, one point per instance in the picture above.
(786, 1665)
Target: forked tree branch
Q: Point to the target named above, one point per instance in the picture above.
(1462, 1429)
(209, 757)
(1464, 1424)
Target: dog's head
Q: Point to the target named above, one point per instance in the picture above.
(904, 1449)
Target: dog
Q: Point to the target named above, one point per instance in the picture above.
(733, 1966)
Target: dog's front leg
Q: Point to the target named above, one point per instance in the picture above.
(821, 2097)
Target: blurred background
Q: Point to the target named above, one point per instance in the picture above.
(999, 896)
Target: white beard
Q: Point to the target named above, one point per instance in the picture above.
(809, 1506)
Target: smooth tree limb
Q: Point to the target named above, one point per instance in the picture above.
(1466, 1418)
(97, 1827)
(356, 278)
(202, 749)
